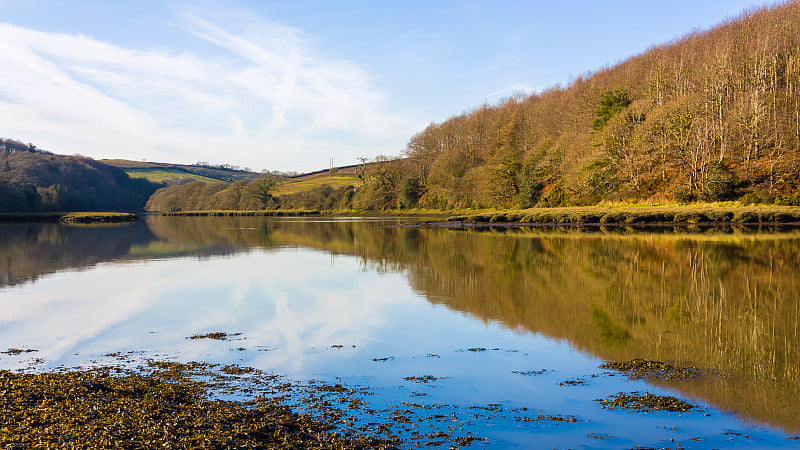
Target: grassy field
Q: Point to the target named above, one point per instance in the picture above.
(158, 172)
(336, 181)
(631, 215)
(159, 175)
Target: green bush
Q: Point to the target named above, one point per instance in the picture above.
(682, 195)
(611, 102)
(556, 197)
(720, 183)
(750, 198)
(410, 190)
(788, 200)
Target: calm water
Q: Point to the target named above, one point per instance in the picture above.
(508, 327)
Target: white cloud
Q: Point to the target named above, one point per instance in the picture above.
(264, 100)
(510, 91)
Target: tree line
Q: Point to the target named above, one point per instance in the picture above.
(199, 195)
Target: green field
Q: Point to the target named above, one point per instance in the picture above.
(335, 182)
(160, 175)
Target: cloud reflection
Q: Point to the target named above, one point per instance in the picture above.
(289, 301)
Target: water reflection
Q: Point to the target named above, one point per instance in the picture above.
(727, 301)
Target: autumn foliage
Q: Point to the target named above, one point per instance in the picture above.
(711, 116)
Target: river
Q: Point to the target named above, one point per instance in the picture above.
(497, 334)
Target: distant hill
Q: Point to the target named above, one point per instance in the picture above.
(170, 173)
(35, 180)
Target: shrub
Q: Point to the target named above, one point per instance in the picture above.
(557, 196)
(611, 102)
(682, 195)
(410, 190)
(720, 183)
(788, 200)
(750, 198)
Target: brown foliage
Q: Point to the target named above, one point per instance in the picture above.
(727, 97)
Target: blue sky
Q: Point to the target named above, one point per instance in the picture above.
(286, 85)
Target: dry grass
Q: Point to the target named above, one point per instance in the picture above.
(632, 215)
(336, 182)
(160, 175)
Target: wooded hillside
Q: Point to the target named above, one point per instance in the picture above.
(714, 115)
(35, 180)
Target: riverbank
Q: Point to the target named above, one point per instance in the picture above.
(592, 215)
(637, 215)
(425, 213)
(243, 213)
(69, 217)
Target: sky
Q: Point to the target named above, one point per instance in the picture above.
(288, 85)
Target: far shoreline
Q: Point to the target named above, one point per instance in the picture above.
(573, 216)
(68, 217)
(701, 216)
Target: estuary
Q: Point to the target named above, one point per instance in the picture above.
(496, 337)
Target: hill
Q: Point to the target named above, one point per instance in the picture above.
(171, 173)
(714, 115)
(35, 180)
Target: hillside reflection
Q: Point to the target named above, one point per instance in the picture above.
(729, 301)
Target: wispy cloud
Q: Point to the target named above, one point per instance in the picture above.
(264, 99)
(510, 91)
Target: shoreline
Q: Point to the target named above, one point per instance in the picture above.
(683, 215)
(69, 217)
(600, 227)
(639, 216)
(703, 216)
